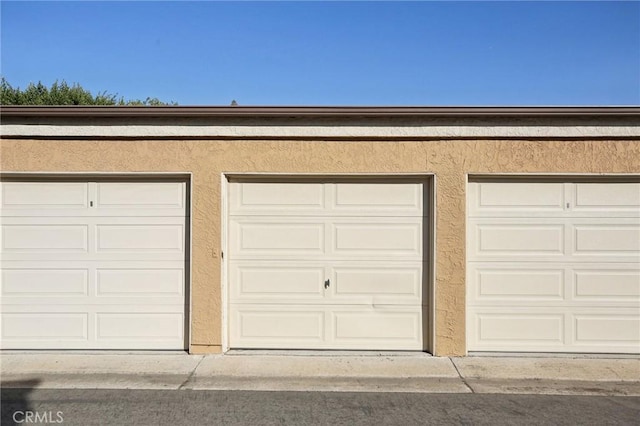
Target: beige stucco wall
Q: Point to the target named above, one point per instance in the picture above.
(449, 160)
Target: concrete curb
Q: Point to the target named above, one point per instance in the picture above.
(582, 369)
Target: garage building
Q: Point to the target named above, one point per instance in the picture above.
(207, 229)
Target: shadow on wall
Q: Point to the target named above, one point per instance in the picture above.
(14, 401)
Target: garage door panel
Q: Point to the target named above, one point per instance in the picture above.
(94, 300)
(309, 238)
(605, 329)
(379, 327)
(42, 238)
(325, 238)
(376, 238)
(93, 283)
(267, 282)
(93, 238)
(327, 327)
(260, 238)
(27, 282)
(607, 197)
(129, 238)
(268, 326)
(518, 328)
(608, 239)
(140, 282)
(277, 199)
(159, 197)
(540, 284)
(138, 239)
(326, 199)
(36, 327)
(40, 196)
(553, 199)
(78, 327)
(510, 198)
(82, 199)
(612, 284)
(134, 303)
(517, 239)
(516, 283)
(375, 283)
(554, 240)
(384, 199)
(139, 326)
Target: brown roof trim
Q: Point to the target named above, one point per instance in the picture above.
(288, 111)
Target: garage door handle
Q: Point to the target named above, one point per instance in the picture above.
(327, 283)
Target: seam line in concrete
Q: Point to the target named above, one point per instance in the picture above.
(460, 375)
(183, 384)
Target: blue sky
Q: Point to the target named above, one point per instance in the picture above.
(331, 53)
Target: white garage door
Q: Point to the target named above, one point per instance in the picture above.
(554, 267)
(326, 266)
(93, 265)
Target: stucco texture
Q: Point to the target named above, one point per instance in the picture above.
(449, 160)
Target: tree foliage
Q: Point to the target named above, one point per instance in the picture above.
(60, 93)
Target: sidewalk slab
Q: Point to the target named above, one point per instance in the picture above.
(580, 369)
(331, 366)
(76, 363)
(330, 384)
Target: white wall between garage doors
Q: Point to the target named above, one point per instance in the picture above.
(93, 265)
(326, 265)
(553, 267)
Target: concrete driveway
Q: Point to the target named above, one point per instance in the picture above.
(346, 373)
(321, 372)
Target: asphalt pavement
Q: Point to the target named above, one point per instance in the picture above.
(207, 407)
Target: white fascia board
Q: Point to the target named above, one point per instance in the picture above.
(164, 131)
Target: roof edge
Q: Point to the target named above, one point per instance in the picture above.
(309, 111)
